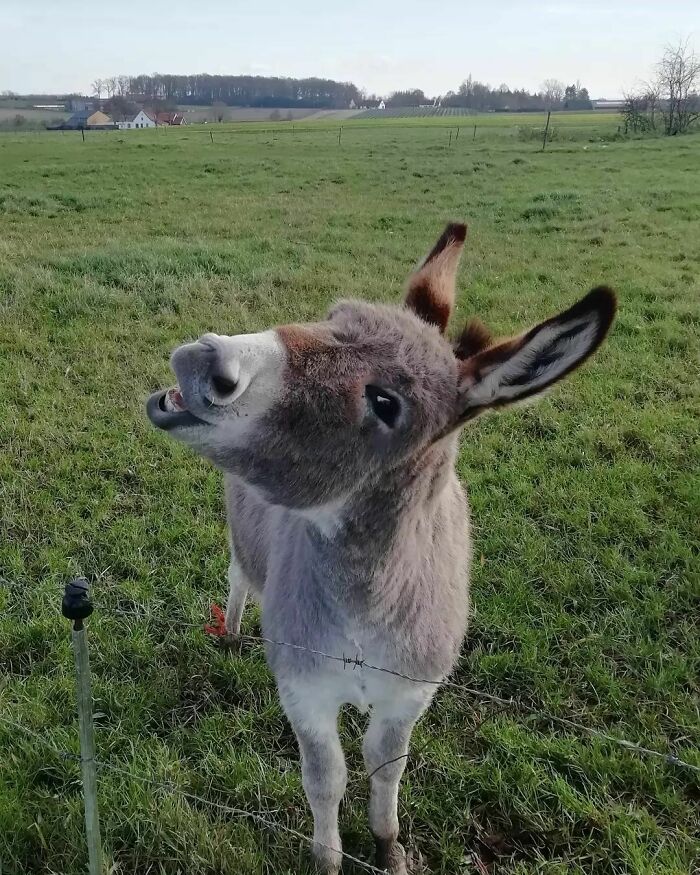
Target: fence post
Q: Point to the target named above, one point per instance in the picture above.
(82, 131)
(76, 606)
(340, 133)
(474, 137)
(450, 142)
(546, 130)
(457, 134)
(211, 134)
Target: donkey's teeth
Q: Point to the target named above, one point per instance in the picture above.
(174, 402)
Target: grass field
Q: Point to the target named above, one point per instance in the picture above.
(30, 118)
(585, 507)
(580, 125)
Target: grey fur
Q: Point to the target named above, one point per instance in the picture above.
(354, 536)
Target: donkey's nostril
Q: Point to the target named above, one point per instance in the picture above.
(223, 385)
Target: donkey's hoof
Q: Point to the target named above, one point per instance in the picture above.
(327, 861)
(391, 856)
(231, 642)
(415, 863)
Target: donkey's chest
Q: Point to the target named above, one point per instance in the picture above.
(346, 681)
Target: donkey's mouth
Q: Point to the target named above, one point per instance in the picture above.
(167, 409)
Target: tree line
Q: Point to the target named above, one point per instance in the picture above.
(480, 97)
(263, 91)
(204, 89)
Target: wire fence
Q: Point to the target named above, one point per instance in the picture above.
(263, 818)
(350, 662)
(467, 691)
(448, 132)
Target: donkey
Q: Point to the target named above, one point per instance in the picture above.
(347, 522)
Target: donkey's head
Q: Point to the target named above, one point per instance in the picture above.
(306, 413)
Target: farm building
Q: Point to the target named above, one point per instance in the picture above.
(87, 119)
(170, 118)
(381, 105)
(609, 104)
(80, 104)
(137, 119)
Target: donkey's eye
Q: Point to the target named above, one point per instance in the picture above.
(383, 405)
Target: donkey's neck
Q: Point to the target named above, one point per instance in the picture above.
(354, 542)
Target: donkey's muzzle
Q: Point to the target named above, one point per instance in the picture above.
(161, 416)
(220, 379)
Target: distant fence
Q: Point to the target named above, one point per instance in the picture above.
(450, 131)
(89, 762)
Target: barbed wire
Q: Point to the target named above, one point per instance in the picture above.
(260, 817)
(356, 662)
(353, 662)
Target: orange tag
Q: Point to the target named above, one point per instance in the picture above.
(218, 627)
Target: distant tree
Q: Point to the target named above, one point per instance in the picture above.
(120, 106)
(670, 101)
(8, 94)
(576, 97)
(98, 86)
(414, 97)
(19, 120)
(639, 112)
(552, 93)
(123, 85)
(652, 97)
(219, 110)
(678, 84)
(110, 86)
(479, 97)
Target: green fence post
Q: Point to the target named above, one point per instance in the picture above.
(546, 130)
(76, 606)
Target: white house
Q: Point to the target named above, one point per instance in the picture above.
(141, 120)
(381, 105)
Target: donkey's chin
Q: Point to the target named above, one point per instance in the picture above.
(167, 410)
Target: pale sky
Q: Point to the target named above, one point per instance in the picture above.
(381, 45)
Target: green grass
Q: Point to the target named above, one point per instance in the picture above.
(585, 507)
(573, 126)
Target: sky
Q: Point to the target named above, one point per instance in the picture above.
(55, 46)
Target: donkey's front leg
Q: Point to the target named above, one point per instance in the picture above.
(237, 592)
(385, 749)
(314, 719)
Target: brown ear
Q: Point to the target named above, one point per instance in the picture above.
(516, 369)
(431, 288)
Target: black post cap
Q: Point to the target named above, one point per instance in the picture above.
(76, 604)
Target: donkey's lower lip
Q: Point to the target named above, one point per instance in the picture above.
(159, 414)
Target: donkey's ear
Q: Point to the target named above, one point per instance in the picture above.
(527, 365)
(431, 288)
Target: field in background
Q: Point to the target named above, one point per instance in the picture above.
(241, 117)
(585, 507)
(35, 118)
(602, 121)
(431, 115)
(210, 114)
